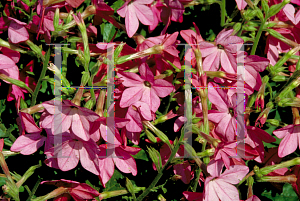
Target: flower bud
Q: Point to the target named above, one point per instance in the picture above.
(150, 136)
(286, 164)
(273, 122)
(56, 19)
(278, 179)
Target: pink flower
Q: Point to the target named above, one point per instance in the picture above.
(291, 136)
(66, 156)
(226, 115)
(223, 50)
(78, 191)
(135, 11)
(143, 88)
(168, 52)
(78, 118)
(220, 186)
(289, 11)
(241, 4)
(16, 31)
(29, 143)
(123, 160)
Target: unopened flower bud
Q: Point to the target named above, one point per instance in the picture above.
(279, 179)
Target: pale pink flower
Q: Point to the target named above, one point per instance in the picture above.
(143, 88)
(135, 11)
(220, 186)
(290, 141)
(223, 51)
(16, 31)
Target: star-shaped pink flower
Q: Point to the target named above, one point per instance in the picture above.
(143, 88)
(135, 11)
(221, 186)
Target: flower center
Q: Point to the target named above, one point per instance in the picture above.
(221, 47)
(231, 112)
(147, 84)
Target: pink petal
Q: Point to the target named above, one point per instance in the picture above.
(6, 62)
(214, 168)
(80, 127)
(107, 168)
(74, 3)
(146, 73)
(228, 62)
(135, 124)
(234, 174)
(131, 95)
(162, 88)
(131, 21)
(29, 123)
(288, 145)
(218, 97)
(88, 158)
(130, 79)
(28, 144)
(289, 11)
(150, 97)
(282, 132)
(212, 61)
(125, 163)
(223, 35)
(225, 191)
(17, 33)
(69, 155)
(144, 110)
(144, 13)
(241, 4)
(183, 170)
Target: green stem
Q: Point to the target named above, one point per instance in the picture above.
(223, 12)
(160, 172)
(198, 172)
(258, 36)
(39, 83)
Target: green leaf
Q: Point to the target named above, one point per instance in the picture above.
(108, 30)
(117, 4)
(288, 193)
(3, 131)
(141, 155)
(44, 86)
(113, 183)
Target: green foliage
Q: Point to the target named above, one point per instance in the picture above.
(288, 193)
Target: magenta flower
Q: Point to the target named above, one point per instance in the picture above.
(135, 11)
(290, 142)
(255, 138)
(78, 191)
(183, 169)
(193, 196)
(72, 116)
(220, 186)
(143, 88)
(223, 50)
